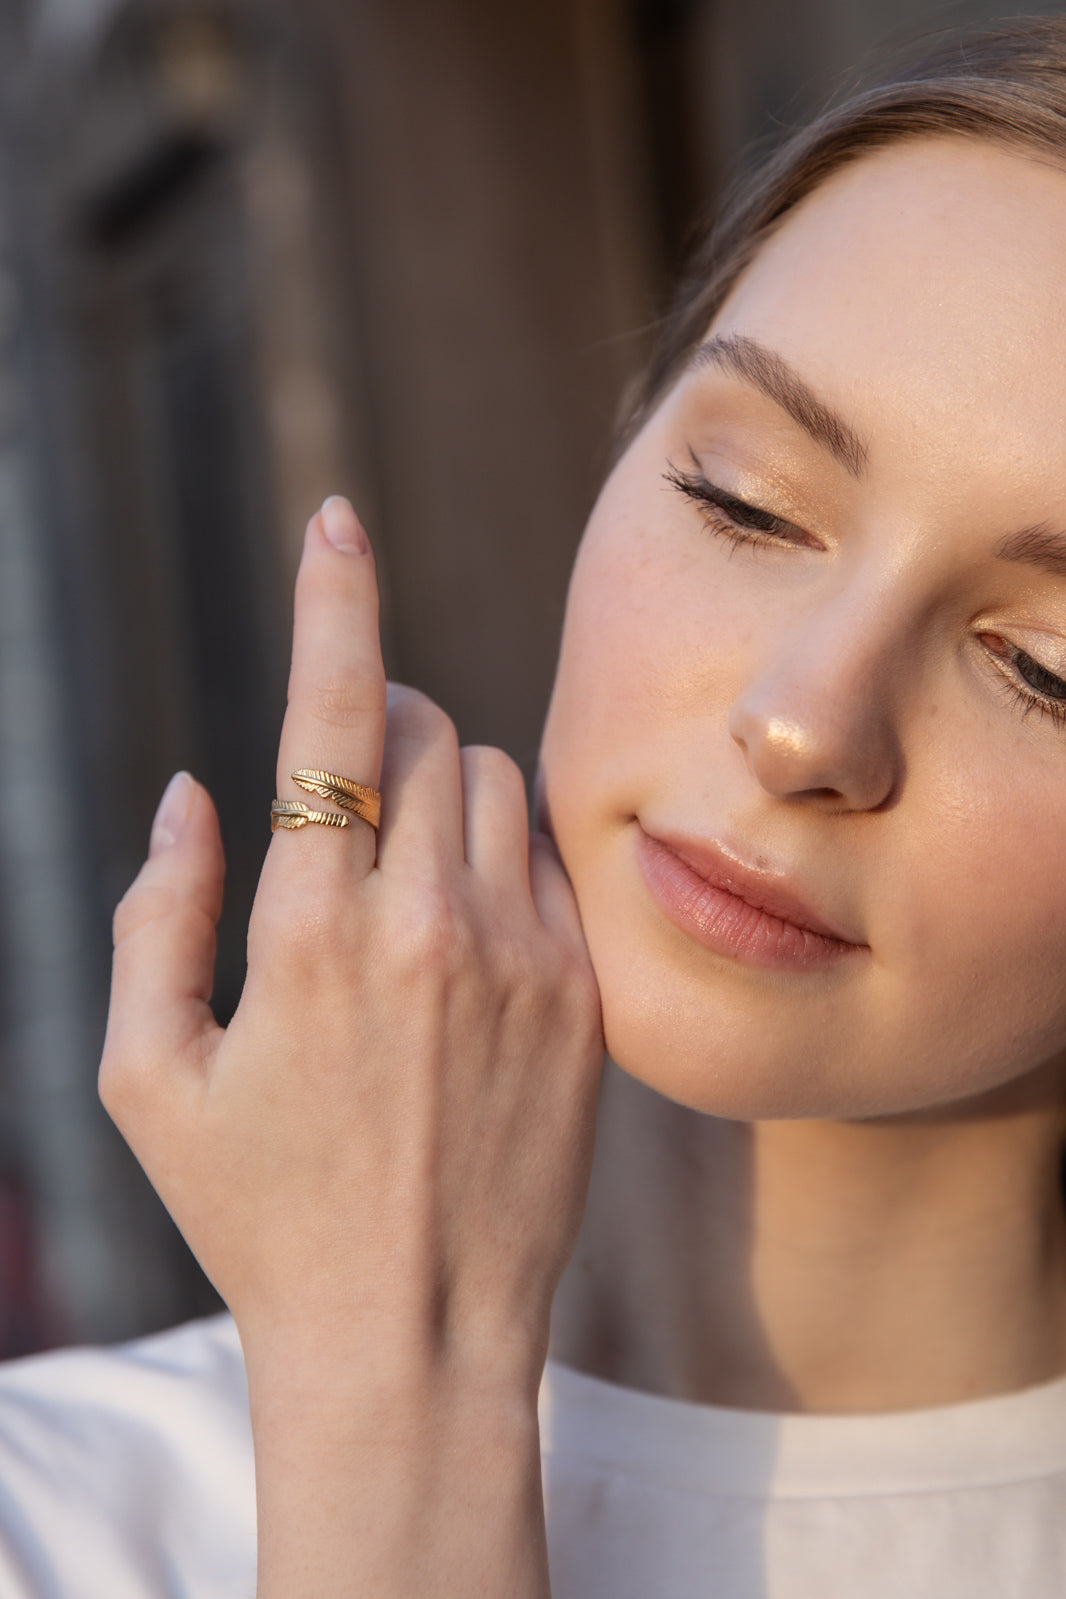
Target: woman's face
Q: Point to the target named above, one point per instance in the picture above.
(806, 755)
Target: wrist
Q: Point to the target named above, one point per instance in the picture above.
(429, 1480)
(354, 1360)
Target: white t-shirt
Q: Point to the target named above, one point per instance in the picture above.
(653, 1498)
(127, 1474)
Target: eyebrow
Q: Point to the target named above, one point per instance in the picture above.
(1036, 546)
(767, 372)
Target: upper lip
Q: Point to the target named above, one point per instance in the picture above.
(762, 888)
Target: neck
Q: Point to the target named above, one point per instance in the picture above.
(823, 1267)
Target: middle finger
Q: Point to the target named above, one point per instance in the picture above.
(421, 783)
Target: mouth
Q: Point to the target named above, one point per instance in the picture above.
(755, 917)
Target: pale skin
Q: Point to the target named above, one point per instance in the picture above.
(409, 1080)
(835, 704)
(822, 1190)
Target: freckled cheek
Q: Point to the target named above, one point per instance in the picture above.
(653, 631)
(609, 701)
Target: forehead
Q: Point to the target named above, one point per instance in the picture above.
(924, 283)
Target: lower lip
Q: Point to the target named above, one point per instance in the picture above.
(727, 924)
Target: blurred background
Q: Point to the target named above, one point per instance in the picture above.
(253, 252)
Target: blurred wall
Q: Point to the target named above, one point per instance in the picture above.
(253, 252)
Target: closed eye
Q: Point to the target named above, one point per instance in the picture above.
(733, 518)
(1031, 686)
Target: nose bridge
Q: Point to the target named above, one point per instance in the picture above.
(819, 713)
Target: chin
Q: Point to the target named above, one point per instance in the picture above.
(751, 1074)
(714, 1088)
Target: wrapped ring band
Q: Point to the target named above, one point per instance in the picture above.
(292, 814)
(355, 798)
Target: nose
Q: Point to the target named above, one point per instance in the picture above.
(816, 720)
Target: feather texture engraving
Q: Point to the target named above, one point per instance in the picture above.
(355, 798)
(294, 814)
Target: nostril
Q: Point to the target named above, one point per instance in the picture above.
(836, 752)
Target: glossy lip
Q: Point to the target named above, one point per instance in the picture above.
(755, 917)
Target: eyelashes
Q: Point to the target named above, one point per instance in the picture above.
(1027, 702)
(1032, 687)
(1027, 684)
(733, 518)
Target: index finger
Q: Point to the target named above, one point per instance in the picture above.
(335, 720)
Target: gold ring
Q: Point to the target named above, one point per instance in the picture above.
(294, 813)
(356, 798)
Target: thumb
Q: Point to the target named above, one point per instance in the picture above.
(160, 1018)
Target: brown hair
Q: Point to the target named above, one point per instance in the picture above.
(1006, 83)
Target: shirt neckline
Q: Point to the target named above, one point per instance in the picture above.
(705, 1448)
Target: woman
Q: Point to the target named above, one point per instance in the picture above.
(805, 770)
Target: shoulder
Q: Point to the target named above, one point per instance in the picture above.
(129, 1470)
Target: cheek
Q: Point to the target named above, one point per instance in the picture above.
(596, 670)
(966, 895)
(649, 640)
(620, 677)
(993, 897)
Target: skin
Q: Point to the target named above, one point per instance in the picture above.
(351, 1158)
(835, 703)
(832, 709)
(382, 1163)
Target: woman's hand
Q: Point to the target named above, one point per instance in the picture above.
(382, 1161)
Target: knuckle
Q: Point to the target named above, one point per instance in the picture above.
(487, 764)
(341, 702)
(142, 904)
(571, 981)
(431, 934)
(516, 969)
(113, 1086)
(307, 934)
(121, 1086)
(412, 714)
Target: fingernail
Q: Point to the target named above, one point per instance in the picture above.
(172, 814)
(342, 526)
